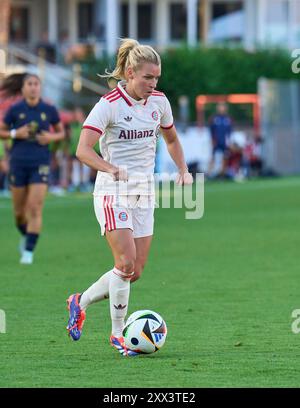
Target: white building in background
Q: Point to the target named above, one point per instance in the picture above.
(161, 23)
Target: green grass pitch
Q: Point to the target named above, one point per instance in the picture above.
(226, 285)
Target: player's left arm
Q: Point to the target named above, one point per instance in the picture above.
(47, 137)
(58, 133)
(176, 152)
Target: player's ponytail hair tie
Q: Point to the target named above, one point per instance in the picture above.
(131, 53)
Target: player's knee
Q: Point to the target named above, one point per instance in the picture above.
(126, 264)
(34, 210)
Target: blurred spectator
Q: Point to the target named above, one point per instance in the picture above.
(234, 168)
(70, 53)
(220, 129)
(253, 157)
(64, 48)
(45, 49)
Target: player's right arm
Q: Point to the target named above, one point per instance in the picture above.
(86, 154)
(7, 129)
(21, 133)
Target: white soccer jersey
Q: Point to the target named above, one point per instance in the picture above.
(128, 132)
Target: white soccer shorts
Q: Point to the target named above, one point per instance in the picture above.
(135, 212)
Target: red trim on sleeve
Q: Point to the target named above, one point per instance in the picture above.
(114, 99)
(111, 94)
(167, 127)
(92, 128)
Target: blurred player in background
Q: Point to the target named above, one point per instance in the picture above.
(10, 93)
(127, 121)
(220, 129)
(28, 123)
(3, 169)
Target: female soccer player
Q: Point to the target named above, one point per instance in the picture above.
(28, 123)
(127, 121)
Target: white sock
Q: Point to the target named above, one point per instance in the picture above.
(98, 291)
(119, 288)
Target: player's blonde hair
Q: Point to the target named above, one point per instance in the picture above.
(132, 53)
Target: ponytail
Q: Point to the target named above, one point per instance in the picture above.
(131, 53)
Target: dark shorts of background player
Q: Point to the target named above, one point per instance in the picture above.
(23, 175)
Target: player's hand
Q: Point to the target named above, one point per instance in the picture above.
(184, 178)
(120, 174)
(23, 132)
(44, 138)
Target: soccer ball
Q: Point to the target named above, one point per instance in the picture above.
(145, 332)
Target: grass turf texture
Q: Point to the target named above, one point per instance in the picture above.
(226, 285)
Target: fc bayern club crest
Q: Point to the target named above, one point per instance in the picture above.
(154, 115)
(123, 216)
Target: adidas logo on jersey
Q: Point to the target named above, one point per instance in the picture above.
(135, 134)
(128, 118)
